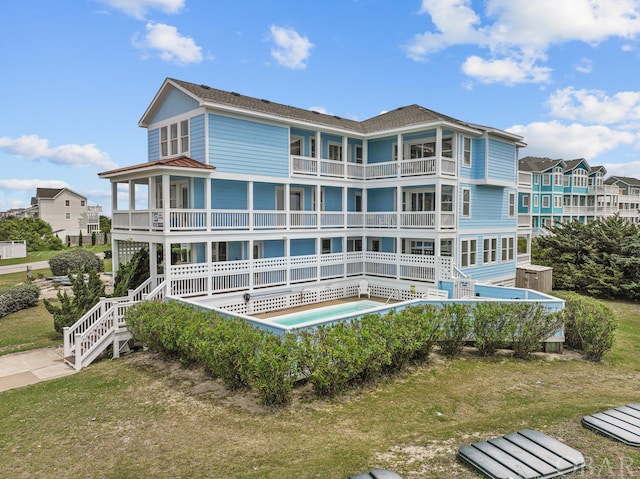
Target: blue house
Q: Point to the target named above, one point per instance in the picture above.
(242, 195)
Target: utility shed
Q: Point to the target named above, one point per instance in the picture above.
(538, 278)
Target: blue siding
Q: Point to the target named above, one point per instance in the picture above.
(332, 199)
(198, 193)
(273, 248)
(351, 198)
(264, 196)
(248, 147)
(197, 138)
(489, 208)
(200, 255)
(380, 199)
(380, 151)
(502, 160)
(228, 195)
(235, 250)
(387, 245)
(175, 104)
(153, 144)
(302, 246)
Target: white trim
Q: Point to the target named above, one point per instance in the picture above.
(462, 215)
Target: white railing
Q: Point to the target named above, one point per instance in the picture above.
(381, 170)
(422, 166)
(355, 171)
(524, 179)
(331, 220)
(269, 219)
(448, 167)
(93, 332)
(303, 219)
(186, 220)
(381, 220)
(524, 220)
(418, 219)
(227, 219)
(447, 220)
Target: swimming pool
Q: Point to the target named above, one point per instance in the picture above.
(326, 313)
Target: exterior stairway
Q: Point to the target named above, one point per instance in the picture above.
(103, 325)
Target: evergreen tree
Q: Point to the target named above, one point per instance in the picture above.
(132, 274)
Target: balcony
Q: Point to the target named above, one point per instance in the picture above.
(524, 220)
(199, 278)
(306, 166)
(189, 220)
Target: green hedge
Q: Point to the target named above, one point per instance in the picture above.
(589, 325)
(17, 298)
(332, 358)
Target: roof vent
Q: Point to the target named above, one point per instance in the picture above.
(235, 93)
(206, 87)
(264, 101)
(316, 112)
(336, 116)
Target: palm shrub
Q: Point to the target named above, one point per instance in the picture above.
(75, 261)
(456, 327)
(86, 294)
(589, 325)
(532, 325)
(492, 324)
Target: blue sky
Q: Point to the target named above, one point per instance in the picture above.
(78, 75)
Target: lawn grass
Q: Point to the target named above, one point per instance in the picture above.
(12, 279)
(30, 328)
(140, 417)
(47, 255)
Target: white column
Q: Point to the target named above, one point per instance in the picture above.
(166, 250)
(132, 195)
(287, 205)
(345, 208)
(207, 206)
(208, 262)
(398, 207)
(153, 261)
(318, 206)
(166, 201)
(345, 155)
(250, 206)
(439, 151)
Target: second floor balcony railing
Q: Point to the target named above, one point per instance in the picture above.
(200, 220)
(307, 166)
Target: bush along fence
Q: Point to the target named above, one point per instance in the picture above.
(336, 357)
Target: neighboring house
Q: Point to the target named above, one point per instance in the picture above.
(66, 211)
(566, 190)
(240, 194)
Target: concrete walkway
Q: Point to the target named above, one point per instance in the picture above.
(30, 367)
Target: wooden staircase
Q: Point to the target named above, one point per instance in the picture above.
(103, 325)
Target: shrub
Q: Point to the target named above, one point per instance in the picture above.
(492, 323)
(589, 325)
(532, 323)
(456, 327)
(274, 369)
(132, 274)
(86, 294)
(74, 261)
(18, 298)
(93, 238)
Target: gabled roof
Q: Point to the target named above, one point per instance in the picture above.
(595, 169)
(179, 162)
(48, 193)
(405, 116)
(622, 179)
(572, 164)
(538, 165)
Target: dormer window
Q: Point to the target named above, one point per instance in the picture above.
(174, 139)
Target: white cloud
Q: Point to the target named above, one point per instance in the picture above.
(631, 169)
(556, 140)
(291, 50)
(76, 156)
(584, 66)
(31, 185)
(170, 45)
(521, 31)
(507, 70)
(595, 106)
(139, 8)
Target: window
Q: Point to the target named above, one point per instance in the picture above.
(67, 216)
(66, 203)
(296, 198)
(536, 201)
(335, 151)
(567, 182)
(507, 249)
(579, 178)
(447, 147)
(354, 244)
(490, 250)
(466, 202)
(546, 179)
(313, 147)
(82, 203)
(466, 151)
(446, 198)
(536, 179)
(374, 244)
(174, 138)
(326, 245)
(557, 201)
(446, 247)
(468, 252)
(545, 201)
(422, 150)
(422, 247)
(557, 176)
(512, 205)
(219, 251)
(358, 150)
(295, 147)
(525, 201)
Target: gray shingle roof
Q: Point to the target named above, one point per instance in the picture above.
(400, 117)
(536, 164)
(48, 193)
(622, 179)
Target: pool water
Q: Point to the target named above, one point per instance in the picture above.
(326, 313)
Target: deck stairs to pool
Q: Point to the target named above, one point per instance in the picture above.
(103, 325)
